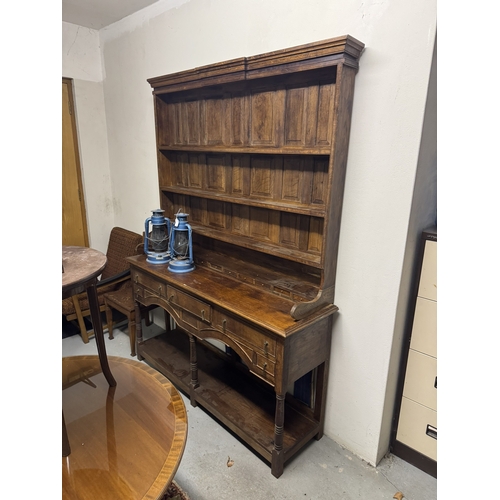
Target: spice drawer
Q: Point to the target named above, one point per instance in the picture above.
(195, 307)
(149, 282)
(263, 367)
(231, 327)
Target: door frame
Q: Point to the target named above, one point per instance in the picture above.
(69, 83)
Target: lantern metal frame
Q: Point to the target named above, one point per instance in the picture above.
(157, 221)
(181, 263)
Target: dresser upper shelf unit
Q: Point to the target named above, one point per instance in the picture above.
(255, 149)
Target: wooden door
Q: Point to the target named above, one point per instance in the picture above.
(74, 219)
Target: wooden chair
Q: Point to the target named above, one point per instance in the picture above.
(123, 301)
(122, 244)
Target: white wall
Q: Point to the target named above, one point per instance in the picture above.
(389, 103)
(81, 61)
(423, 215)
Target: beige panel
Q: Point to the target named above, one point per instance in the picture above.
(421, 373)
(428, 276)
(413, 421)
(424, 332)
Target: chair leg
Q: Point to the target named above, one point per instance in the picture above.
(81, 322)
(109, 321)
(131, 334)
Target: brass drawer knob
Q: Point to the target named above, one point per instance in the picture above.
(203, 315)
(224, 321)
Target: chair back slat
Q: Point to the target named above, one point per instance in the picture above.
(122, 243)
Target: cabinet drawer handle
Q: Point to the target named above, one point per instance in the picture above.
(264, 367)
(432, 431)
(136, 278)
(171, 298)
(159, 288)
(203, 315)
(224, 325)
(436, 383)
(266, 346)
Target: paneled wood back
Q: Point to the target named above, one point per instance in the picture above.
(254, 150)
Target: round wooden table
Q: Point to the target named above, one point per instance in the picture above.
(80, 268)
(126, 440)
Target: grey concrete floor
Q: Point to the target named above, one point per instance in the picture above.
(323, 470)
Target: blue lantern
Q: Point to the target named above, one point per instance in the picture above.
(156, 238)
(181, 245)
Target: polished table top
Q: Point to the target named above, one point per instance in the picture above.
(79, 265)
(126, 441)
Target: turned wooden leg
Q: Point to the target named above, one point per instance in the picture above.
(138, 330)
(194, 368)
(278, 457)
(109, 321)
(98, 333)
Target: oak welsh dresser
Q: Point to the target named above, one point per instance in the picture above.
(254, 150)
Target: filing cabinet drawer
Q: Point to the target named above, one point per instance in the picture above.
(230, 326)
(190, 304)
(421, 379)
(428, 276)
(424, 332)
(417, 428)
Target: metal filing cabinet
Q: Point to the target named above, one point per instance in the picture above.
(415, 430)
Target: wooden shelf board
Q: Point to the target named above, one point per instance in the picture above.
(287, 150)
(269, 248)
(245, 266)
(313, 211)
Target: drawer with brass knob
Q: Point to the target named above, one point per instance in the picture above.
(231, 327)
(189, 304)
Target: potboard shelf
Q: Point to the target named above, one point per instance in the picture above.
(229, 392)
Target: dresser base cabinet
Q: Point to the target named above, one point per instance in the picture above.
(246, 390)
